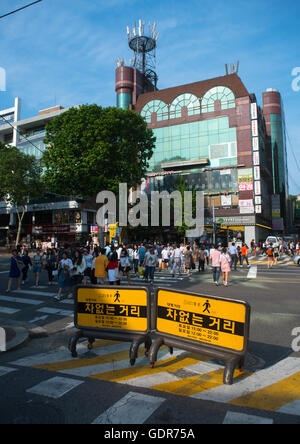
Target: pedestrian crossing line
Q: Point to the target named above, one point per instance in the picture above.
(169, 364)
(6, 370)
(133, 408)
(274, 396)
(55, 387)
(87, 362)
(259, 380)
(292, 408)
(242, 418)
(35, 293)
(9, 311)
(150, 381)
(61, 359)
(20, 300)
(197, 384)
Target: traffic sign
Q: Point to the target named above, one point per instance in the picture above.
(210, 320)
(112, 308)
(217, 327)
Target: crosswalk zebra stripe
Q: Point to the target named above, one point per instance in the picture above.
(55, 387)
(292, 408)
(63, 355)
(274, 396)
(257, 381)
(35, 293)
(168, 363)
(7, 310)
(56, 311)
(167, 381)
(107, 367)
(242, 418)
(20, 300)
(133, 408)
(6, 370)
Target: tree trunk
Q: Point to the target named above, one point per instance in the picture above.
(20, 220)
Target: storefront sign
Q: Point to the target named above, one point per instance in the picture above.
(245, 179)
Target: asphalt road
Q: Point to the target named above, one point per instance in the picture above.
(42, 383)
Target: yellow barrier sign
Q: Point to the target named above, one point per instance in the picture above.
(112, 308)
(210, 320)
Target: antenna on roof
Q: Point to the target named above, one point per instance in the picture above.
(232, 69)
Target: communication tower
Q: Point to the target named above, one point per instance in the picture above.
(143, 43)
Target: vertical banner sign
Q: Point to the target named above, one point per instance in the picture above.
(256, 157)
(111, 309)
(217, 322)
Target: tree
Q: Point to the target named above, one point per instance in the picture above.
(91, 149)
(182, 187)
(20, 180)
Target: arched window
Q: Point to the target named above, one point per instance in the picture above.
(189, 100)
(225, 95)
(155, 106)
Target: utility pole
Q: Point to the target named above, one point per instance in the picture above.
(214, 225)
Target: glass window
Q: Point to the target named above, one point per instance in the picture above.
(185, 100)
(155, 106)
(225, 95)
(193, 140)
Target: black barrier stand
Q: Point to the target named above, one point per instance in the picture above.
(95, 305)
(233, 359)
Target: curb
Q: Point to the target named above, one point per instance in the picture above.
(14, 337)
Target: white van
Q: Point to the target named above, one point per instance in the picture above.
(273, 239)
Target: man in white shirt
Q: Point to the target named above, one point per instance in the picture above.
(233, 253)
(177, 254)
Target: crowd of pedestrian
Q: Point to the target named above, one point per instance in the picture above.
(110, 265)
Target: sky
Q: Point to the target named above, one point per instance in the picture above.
(64, 52)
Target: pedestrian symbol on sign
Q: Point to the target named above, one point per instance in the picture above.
(117, 297)
(207, 307)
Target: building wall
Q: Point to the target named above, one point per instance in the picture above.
(212, 124)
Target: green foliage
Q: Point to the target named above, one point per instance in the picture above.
(19, 176)
(19, 179)
(91, 149)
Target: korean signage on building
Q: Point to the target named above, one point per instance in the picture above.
(210, 320)
(245, 179)
(256, 156)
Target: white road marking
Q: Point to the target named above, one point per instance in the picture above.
(65, 355)
(134, 408)
(6, 370)
(259, 380)
(55, 311)
(292, 408)
(41, 318)
(6, 310)
(252, 272)
(21, 300)
(55, 387)
(35, 293)
(242, 418)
